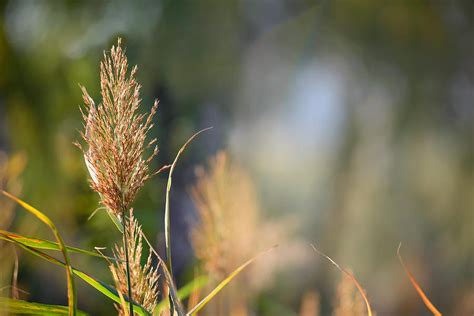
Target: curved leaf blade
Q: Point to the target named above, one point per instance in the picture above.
(100, 286)
(350, 276)
(71, 289)
(23, 307)
(417, 287)
(44, 244)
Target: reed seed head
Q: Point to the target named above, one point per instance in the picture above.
(144, 278)
(232, 229)
(115, 133)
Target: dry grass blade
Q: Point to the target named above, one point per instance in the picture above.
(70, 278)
(226, 281)
(350, 276)
(417, 287)
(15, 292)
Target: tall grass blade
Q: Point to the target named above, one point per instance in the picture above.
(417, 287)
(167, 208)
(350, 276)
(226, 281)
(100, 286)
(167, 201)
(72, 299)
(23, 307)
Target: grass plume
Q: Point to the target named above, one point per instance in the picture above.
(115, 133)
(230, 229)
(144, 278)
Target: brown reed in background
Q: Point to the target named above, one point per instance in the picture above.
(230, 231)
(10, 171)
(310, 304)
(348, 301)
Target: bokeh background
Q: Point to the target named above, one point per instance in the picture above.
(354, 120)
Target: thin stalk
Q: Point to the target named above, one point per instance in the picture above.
(129, 281)
(169, 264)
(167, 201)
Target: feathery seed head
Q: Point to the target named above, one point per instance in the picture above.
(115, 133)
(144, 278)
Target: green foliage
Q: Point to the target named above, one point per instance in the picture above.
(23, 307)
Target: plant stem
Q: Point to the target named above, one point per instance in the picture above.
(129, 282)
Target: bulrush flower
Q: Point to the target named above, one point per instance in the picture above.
(115, 134)
(144, 278)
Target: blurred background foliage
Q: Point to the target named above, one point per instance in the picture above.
(353, 118)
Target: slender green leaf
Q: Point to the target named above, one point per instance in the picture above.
(71, 290)
(48, 245)
(23, 307)
(221, 285)
(115, 220)
(100, 286)
(167, 201)
(167, 214)
(182, 293)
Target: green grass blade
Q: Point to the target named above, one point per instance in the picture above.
(221, 285)
(167, 211)
(183, 293)
(48, 245)
(71, 290)
(100, 286)
(23, 307)
(115, 220)
(167, 200)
